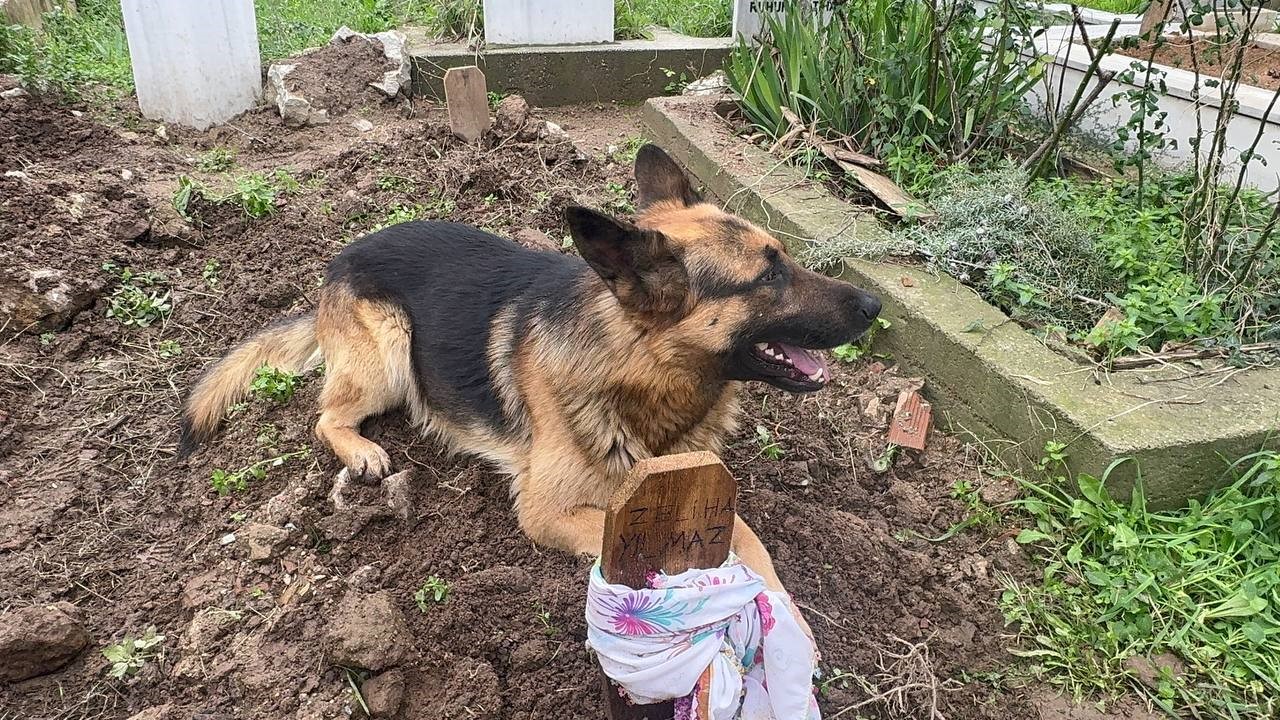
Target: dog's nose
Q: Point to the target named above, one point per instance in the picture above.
(868, 306)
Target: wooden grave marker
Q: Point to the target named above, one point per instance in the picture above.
(466, 95)
(673, 513)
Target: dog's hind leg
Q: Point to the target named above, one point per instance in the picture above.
(367, 372)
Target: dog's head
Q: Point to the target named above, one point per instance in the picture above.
(715, 288)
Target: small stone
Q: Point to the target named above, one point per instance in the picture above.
(512, 114)
(162, 132)
(77, 113)
(48, 300)
(227, 539)
(362, 125)
(16, 174)
(399, 495)
(37, 640)
(384, 693)
(797, 474)
(126, 175)
(368, 631)
(14, 93)
(264, 542)
(365, 578)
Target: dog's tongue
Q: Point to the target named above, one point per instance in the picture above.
(805, 361)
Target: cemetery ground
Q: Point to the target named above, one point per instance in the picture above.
(235, 585)
(272, 602)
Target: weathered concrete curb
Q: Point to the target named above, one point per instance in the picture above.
(1000, 383)
(630, 70)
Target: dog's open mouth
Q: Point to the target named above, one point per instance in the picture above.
(803, 367)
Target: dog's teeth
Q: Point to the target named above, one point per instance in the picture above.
(764, 347)
(817, 375)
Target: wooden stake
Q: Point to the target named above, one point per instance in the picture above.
(674, 513)
(466, 95)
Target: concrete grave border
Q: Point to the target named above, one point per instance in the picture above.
(999, 382)
(625, 71)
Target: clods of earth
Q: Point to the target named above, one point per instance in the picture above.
(420, 599)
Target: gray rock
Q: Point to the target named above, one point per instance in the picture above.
(47, 300)
(294, 109)
(362, 125)
(37, 640)
(368, 631)
(264, 542)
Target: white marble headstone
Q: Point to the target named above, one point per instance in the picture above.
(748, 15)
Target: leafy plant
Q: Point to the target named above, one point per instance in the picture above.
(130, 655)
(210, 272)
(226, 482)
(768, 446)
(397, 183)
(890, 72)
(257, 193)
(676, 85)
(544, 617)
(854, 351)
(625, 154)
(167, 349)
(274, 384)
(1198, 587)
(216, 160)
(138, 299)
(434, 590)
(619, 198)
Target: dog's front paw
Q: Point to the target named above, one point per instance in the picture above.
(369, 465)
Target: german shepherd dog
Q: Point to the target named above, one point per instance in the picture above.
(563, 371)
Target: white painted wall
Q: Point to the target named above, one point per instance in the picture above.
(1071, 62)
(195, 63)
(548, 22)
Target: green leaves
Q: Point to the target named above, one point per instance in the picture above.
(1201, 582)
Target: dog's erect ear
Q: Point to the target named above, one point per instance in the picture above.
(659, 179)
(637, 265)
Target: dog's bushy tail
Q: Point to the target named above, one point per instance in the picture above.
(287, 345)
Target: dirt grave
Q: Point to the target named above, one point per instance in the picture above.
(263, 595)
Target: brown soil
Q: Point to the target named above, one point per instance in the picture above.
(1261, 66)
(94, 511)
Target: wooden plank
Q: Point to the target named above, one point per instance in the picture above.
(911, 420)
(467, 96)
(673, 513)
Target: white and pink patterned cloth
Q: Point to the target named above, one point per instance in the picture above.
(655, 643)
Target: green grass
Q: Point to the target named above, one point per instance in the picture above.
(1120, 7)
(698, 18)
(1122, 585)
(139, 299)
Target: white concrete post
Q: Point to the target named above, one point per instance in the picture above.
(194, 63)
(547, 22)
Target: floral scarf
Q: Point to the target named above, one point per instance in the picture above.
(714, 636)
